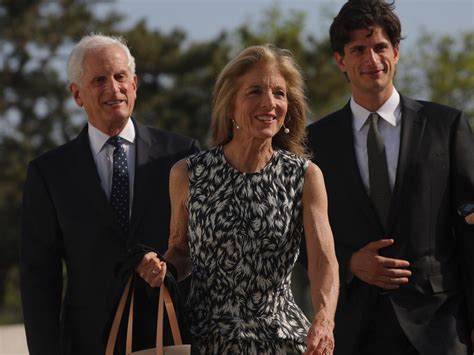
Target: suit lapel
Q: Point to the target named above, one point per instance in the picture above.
(142, 181)
(89, 180)
(413, 124)
(350, 168)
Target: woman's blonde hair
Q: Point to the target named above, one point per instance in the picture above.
(227, 86)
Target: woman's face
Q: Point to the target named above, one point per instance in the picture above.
(261, 103)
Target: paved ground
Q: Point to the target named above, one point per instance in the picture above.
(12, 340)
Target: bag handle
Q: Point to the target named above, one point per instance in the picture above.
(109, 350)
(164, 301)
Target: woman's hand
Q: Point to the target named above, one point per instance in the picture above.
(320, 338)
(152, 269)
(470, 218)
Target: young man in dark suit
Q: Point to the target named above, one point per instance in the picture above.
(395, 171)
(87, 202)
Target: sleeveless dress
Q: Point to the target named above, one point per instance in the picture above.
(244, 234)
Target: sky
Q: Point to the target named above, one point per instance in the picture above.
(204, 19)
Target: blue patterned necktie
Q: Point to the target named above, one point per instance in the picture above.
(120, 193)
(380, 191)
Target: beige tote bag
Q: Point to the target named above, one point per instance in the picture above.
(163, 301)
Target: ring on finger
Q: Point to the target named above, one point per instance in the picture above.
(154, 271)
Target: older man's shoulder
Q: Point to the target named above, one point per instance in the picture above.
(167, 140)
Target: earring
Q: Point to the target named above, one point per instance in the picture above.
(286, 129)
(235, 124)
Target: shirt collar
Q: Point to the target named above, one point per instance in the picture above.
(98, 139)
(389, 111)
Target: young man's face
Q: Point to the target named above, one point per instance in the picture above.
(369, 61)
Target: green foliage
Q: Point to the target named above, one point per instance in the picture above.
(175, 81)
(11, 312)
(450, 72)
(442, 69)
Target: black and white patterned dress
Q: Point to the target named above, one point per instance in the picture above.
(244, 235)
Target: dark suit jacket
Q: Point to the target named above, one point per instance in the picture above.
(435, 174)
(68, 227)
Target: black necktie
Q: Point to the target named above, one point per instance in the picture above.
(379, 182)
(119, 195)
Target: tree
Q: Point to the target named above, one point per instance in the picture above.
(442, 70)
(175, 80)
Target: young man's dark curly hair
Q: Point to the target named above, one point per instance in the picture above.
(364, 14)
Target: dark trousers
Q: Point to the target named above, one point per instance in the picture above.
(385, 336)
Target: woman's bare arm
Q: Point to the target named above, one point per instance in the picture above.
(178, 248)
(322, 263)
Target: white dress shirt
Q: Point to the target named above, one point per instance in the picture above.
(389, 127)
(103, 155)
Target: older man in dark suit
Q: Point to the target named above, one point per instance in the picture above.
(87, 202)
(395, 170)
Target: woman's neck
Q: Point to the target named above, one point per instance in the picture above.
(249, 157)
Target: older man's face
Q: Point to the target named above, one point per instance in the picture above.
(107, 89)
